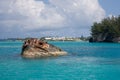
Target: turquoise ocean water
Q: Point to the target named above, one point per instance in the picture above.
(85, 61)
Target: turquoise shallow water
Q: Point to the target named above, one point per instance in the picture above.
(85, 61)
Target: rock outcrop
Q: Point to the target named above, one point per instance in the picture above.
(104, 38)
(35, 48)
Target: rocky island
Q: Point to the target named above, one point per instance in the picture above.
(35, 48)
(108, 30)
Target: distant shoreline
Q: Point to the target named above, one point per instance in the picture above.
(45, 40)
(50, 39)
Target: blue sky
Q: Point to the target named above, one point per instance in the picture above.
(37, 18)
(111, 6)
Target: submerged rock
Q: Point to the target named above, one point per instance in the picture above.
(35, 48)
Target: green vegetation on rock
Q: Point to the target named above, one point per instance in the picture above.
(108, 30)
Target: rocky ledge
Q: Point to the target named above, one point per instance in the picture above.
(104, 38)
(35, 48)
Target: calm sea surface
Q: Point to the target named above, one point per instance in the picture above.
(85, 61)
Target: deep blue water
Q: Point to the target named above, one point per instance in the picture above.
(85, 61)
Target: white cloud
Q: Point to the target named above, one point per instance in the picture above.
(56, 14)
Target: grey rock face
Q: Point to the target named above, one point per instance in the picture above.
(34, 48)
(104, 38)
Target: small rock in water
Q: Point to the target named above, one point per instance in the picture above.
(35, 48)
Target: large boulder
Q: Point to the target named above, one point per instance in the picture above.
(35, 48)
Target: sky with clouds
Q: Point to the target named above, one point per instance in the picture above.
(37, 18)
